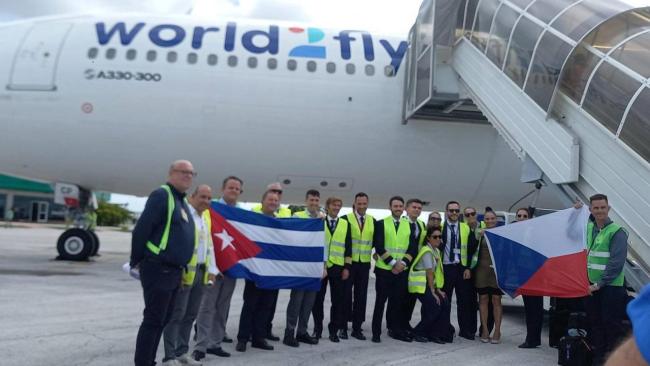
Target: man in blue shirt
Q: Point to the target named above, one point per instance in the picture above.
(162, 244)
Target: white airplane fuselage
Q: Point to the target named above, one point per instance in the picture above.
(107, 102)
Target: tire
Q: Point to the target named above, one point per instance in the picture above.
(96, 240)
(75, 245)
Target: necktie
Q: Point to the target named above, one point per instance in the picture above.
(362, 220)
(454, 239)
(332, 224)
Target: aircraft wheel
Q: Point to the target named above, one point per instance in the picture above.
(95, 250)
(75, 245)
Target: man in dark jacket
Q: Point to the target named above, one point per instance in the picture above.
(161, 246)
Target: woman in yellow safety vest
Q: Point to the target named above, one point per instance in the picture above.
(486, 284)
(425, 281)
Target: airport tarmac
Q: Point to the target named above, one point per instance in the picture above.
(88, 313)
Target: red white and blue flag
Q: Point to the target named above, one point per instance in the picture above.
(542, 256)
(274, 253)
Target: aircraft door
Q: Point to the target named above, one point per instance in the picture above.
(35, 63)
(419, 62)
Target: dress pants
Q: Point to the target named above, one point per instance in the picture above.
(160, 284)
(337, 298)
(392, 289)
(466, 303)
(213, 313)
(318, 308)
(274, 305)
(255, 313)
(430, 313)
(534, 308)
(176, 335)
(300, 306)
(606, 311)
(356, 294)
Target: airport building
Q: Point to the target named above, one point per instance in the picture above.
(31, 200)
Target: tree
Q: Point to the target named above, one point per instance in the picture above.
(110, 214)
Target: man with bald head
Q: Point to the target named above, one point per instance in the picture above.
(161, 247)
(200, 272)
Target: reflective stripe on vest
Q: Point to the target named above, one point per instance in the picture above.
(190, 272)
(598, 255)
(417, 280)
(302, 215)
(335, 244)
(396, 243)
(464, 239)
(423, 233)
(156, 249)
(361, 241)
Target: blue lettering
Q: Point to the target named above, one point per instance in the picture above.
(231, 31)
(345, 40)
(199, 33)
(154, 35)
(396, 56)
(126, 37)
(271, 43)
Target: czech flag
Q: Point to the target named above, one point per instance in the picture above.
(274, 253)
(544, 256)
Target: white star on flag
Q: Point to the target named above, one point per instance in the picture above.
(226, 240)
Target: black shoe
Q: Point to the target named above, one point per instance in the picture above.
(217, 351)
(290, 341)
(402, 337)
(305, 338)
(358, 335)
(376, 339)
(421, 339)
(226, 339)
(392, 334)
(528, 345)
(241, 347)
(471, 337)
(198, 355)
(262, 344)
(317, 334)
(343, 334)
(334, 338)
(272, 337)
(437, 340)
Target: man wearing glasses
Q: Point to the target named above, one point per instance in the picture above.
(161, 246)
(458, 250)
(281, 212)
(434, 220)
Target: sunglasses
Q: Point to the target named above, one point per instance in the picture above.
(278, 191)
(435, 218)
(436, 236)
(454, 211)
(522, 216)
(468, 214)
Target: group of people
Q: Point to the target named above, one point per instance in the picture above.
(414, 261)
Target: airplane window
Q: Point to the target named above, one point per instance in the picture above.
(92, 52)
(192, 58)
(389, 71)
(272, 64)
(252, 62)
(330, 67)
(311, 66)
(110, 53)
(292, 65)
(130, 54)
(370, 70)
(172, 56)
(608, 95)
(151, 55)
(212, 59)
(232, 61)
(350, 68)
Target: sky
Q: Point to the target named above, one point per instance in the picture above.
(377, 16)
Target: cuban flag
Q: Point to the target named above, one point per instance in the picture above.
(274, 253)
(544, 256)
